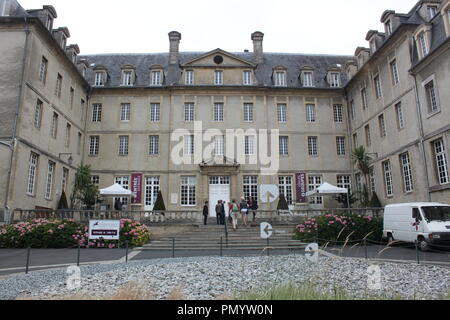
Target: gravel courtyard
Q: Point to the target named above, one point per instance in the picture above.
(209, 278)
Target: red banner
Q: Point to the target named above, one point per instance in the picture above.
(136, 188)
(300, 179)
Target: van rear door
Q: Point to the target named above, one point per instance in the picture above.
(416, 224)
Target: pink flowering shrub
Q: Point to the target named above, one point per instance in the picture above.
(42, 233)
(336, 228)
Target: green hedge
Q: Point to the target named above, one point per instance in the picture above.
(338, 228)
(55, 234)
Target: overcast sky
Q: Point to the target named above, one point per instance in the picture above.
(292, 26)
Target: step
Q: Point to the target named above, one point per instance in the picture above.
(224, 248)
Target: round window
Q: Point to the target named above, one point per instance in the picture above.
(218, 59)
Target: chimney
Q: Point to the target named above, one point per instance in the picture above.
(258, 38)
(174, 38)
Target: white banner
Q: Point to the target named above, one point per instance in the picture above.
(104, 229)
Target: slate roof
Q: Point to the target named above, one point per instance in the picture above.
(142, 63)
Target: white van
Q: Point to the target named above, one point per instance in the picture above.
(426, 222)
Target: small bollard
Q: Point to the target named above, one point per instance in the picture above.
(28, 260)
(126, 251)
(173, 247)
(78, 255)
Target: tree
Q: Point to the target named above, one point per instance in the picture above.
(84, 191)
(362, 161)
(159, 204)
(62, 205)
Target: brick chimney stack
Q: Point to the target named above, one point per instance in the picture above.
(174, 38)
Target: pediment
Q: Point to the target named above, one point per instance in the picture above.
(208, 60)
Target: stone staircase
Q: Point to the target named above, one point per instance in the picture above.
(212, 238)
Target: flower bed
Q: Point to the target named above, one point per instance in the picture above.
(340, 228)
(55, 234)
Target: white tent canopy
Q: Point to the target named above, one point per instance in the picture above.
(326, 188)
(115, 190)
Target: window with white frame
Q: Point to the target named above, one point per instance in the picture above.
(99, 79)
(125, 183)
(218, 112)
(247, 78)
(312, 147)
(340, 146)
(282, 112)
(155, 112)
(344, 181)
(68, 134)
(284, 146)
(338, 111)
(400, 117)
(308, 79)
(54, 126)
(313, 183)
(96, 112)
(218, 77)
(189, 77)
(188, 145)
(405, 163)
(423, 45)
(156, 78)
(94, 145)
(335, 78)
(32, 173)
(127, 78)
(352, 109)
(189, 112)
(123, 145)
(38, 114)
(248, 112)
(372, 180)
(152, 187)
(394, 72)
(58, 87)
(49, 182)
(250, 187)
(285, 187)
(310, 113)
(378, 90)
(432, 11)
(382, 125)
(432, 97)
(388, 28)
(249, 145)
(280, 79)
(364, 98)
(440, 154)
(43, 70)
(358, 182)
(153, 145)
(373, 46)
(219, 146)
(368, 136)
(95, 180)
(125, 112)
(188, 197)
(64, 179)
(387, 171)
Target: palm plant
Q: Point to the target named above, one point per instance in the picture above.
(362, 160)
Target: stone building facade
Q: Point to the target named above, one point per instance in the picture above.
(193, 124)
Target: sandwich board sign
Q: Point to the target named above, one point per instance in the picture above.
(104, 229)
(266, 230)
(312, 252)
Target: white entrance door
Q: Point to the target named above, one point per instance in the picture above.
(151, 192)
(219, 189)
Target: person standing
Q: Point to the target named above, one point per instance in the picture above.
(219, 212)
(254, 207)
(234, 213)
(244, 210)
(206, 212)
(222, 212)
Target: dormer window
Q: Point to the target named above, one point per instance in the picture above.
(63, 42)
(423, 45)
(280, 78)
(373, 46)
(307, 78)
(218, 77)
(388, 28)
(334, 79)
(100, 78)
(49, 24)
(156, 78)
(431, 11)
(128, 76)
(247, 75)
(189, 78)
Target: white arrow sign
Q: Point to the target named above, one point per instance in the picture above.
(269, 193)
(312, 252)
(266, 230)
